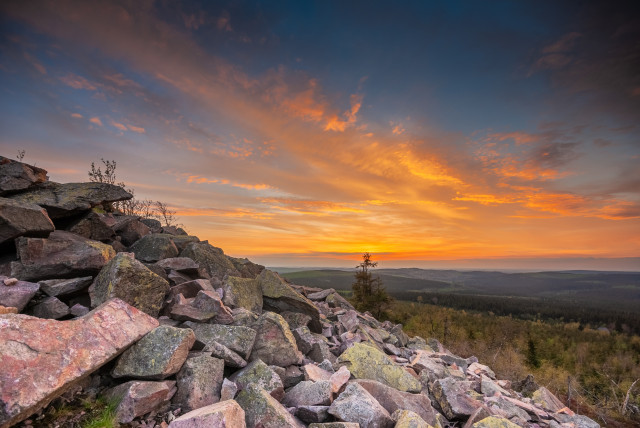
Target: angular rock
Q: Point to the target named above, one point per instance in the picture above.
(246, 268)
(275, 344)
(17, 295)
(260, 374)
(315, 373)
(228, 391)
(8, 310)
(393, 400)
(226, 414)
(41, 359)
(79, 310)
(292, 376)
(312, 414)
(126, 278)
(308, 393)
(50, 308)
(191, 288)
(130, 229)
(408, 419)
(137, 398)
(237, 338)
(296, 319)
(335, 425)
(179, 264)
(157, 355)
(69, 199)
(22, 219)
(453, 399)
(17, 176)
(545, 399)
(355, 404)
(335, 300)
(349, 320)
(211, 258)
(321, 295)
(339, 378)
(305, 339)
(62, 255)
(61, 287)
(494, 422)
(366, 362)
(243, 293)
(96, 226)
(262, 410)
(230, 358)
(199, 382)
(279, 296)
(154, 247)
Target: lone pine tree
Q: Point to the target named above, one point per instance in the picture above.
(369, 293)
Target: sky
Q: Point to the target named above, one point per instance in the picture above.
(304, 133)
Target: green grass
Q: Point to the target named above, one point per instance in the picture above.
(103, 414)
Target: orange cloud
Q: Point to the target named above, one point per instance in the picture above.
(96, 121)
(138, 129)
(76, 115)
(78, 82)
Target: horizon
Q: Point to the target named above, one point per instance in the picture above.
(469, 136)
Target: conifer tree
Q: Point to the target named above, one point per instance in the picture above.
(369, 293)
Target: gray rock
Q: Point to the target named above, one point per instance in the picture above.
(153, 224)
(69, 199)
(228, 391)
(321, 295)
(211, 258)
(17, 295)
(156, 356)
(312, 414)
(154, 247)
(126, 278)
(237, 338)
(22, 219)
(130, 230)
(199, 382)
(260, 374)
(355, 404)
(179, 264)
(50, 308)
(96, 226)
(230, 358)
(226, 414)
(190, 289)
(243, 293)
(79, 310)
(275, 344)
(137, 398)
(264, 411)
(335, 425)
(335, 300)
(408, 419)
(308, 393)
(453, 398)
(61, 287)
(17, 176)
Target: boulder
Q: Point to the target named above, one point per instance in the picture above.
(260, 374)
(264, 411)
(61, 255)
(231, 359)
(17, 176)
(137, 398)
(335, 425)
(408, 419)
(50, 308)
(246, 268)
(228, 391)
(335, 300)
(226, 414)
(355, 404)
(279, 296)
(179, 264)
(22, 219)
(157, 355)
(393, 400)
(61, 287)
(454, 399)
(243, 293)
(130, 229)
(154, 247)
(312, 414)
(18, 294)
(366, 362)
(308, 393)
(96, 226)
(190, 289)
(211, 258)
(545, 399)
(41, 359)
(199, 382)
(339, 378)
(237, 338)
(69, 199)
(275, 344)
(126, 278)
(494, 422)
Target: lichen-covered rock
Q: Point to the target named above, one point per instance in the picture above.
(408, 419)
(22, 219)
(130, 229)
(246, 268)
(279, 296)
(275, 344)
(137, 398)
(392, 400)
(96, 226)
(179, 264)
(309, 393)
(61, 287)
(494, 422)
(243, 293)
(69, 199)
(262, 410)
(126, 278)
(17, 176)
(545, 399)
(154, 247)
(156, 356)
(355, 404)
(237, 338)
(366, 362)
(61, 255)
(199, 382)
(231, 359)
(335, 300)
(260, 374)
(226, 414)
(453, 398)
(211, 258)
(41, 358)
(18, 294)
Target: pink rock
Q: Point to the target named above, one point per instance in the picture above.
(41, 358)
(226, 414)
(138, 398)
(10, 281)
(315, 373)
(339, 378)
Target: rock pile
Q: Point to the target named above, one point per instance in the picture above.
(182, 335)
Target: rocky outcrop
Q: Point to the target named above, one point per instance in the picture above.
(17, 176)
(22, 219)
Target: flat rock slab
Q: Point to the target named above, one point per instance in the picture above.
(41, 358)
(69, 199)
(21, 218)
(17, 176)
(157, 355)
(18, 294)
(227, 414)
(61, 255)
(366, 362)
(137, 398)
(61, 287)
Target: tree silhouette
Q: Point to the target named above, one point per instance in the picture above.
(368, 292)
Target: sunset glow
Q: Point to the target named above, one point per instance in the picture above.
(303, 134)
